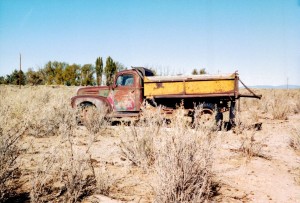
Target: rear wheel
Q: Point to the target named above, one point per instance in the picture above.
(203, 115)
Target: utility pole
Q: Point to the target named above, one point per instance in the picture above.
(20, 75)
(287, 83)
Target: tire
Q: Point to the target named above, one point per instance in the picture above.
(83, 111)
(203, 115)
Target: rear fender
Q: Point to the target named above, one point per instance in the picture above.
(98, 101)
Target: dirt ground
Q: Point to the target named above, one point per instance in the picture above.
(273, 177)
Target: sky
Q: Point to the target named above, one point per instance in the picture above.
(258, 38)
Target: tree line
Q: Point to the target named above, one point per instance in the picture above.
(200, 72)
(61, 73)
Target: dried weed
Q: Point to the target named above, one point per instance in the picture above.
(295, 138)
(250, 147)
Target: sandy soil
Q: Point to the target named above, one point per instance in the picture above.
(274, 176)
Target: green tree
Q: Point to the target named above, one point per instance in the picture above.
(35, 77)
(8, 79)
(71, 75)
(99, 70)
(202, 71)
(195, 72)
(110, 70)
(58, 72)
(87, 72)
(2, 80)
(49, 73)
(14, 78)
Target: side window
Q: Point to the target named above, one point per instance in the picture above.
(119, 80)
(125, 80)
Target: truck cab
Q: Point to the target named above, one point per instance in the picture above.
(123, 98)
(126, 94)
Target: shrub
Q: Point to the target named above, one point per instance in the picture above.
(105, 181)
(180, 157)
(284, 103)
(45, 115)
(64, 174)
(137, 145)
(295, 138)
(183, 161)
(9, 153)
(11, 131)
(95, 120)
(250, 147)
(280, 109)
(45, 176)
(297, 103)
(76, 182)
(137, 140)
(182, 167)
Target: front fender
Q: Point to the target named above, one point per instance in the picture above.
(98, 101)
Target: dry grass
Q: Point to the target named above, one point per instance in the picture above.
(9, 153)
(61, 173)
(280, 108)
(65, 173)
(65, 178)
(105, 181)
(250, 147)
(295, 138)
(137, 145)
(183, 164)
(137, 140)
(11, 131)
(176, 158)
(278, 104)
(95, 120)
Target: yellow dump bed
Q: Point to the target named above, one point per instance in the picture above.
(191, 86)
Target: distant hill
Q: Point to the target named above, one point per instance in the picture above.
(274, 87)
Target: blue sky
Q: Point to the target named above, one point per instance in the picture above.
(259, 38)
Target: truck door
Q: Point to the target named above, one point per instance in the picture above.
(127, 92)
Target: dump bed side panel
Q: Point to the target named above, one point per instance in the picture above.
(209, 87)
(163, 88)
(206, 85)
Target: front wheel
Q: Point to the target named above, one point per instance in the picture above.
(85, 111)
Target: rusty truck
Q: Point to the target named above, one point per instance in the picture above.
(131, 89)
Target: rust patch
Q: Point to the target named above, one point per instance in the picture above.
(124, 100)
(168, 111)
(159, 85)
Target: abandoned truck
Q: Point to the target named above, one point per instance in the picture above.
(133, 88)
